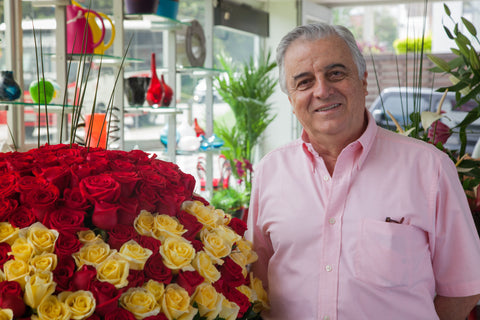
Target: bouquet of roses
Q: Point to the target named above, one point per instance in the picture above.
(101, 234)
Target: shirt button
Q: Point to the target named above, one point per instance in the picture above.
(326, 177)
(328, 268)
(331, 220)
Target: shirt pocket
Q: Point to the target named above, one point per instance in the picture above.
(390, 254)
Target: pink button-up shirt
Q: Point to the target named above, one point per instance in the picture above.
(325, 249)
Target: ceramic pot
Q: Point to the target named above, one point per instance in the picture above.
(136, 90)
(168, 8)
(141, 6)
(9, 89)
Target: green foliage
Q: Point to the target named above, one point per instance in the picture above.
(402, 46)
(246, 88)
(229, 200)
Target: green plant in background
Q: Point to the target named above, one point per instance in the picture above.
(413, 45)
(246, 88)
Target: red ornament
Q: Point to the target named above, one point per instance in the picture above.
(155, 89)
(167, 93)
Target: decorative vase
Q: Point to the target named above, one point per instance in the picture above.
(167, 93)
(141, 6)
(168, 8)
(198, 130)
(9, 89)
(41, 91)
(136, 89)
(155, 90)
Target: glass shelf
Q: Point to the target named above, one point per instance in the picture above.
(198, 71)
(158, 22)
(159, 110)
(50, 107)
(48, 3)
(97, 58)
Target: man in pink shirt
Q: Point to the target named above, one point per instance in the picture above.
(352, 221)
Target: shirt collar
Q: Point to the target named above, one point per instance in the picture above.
(365, 142)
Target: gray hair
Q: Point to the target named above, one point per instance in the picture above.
(315, 32)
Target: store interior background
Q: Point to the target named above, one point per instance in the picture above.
(370, 20)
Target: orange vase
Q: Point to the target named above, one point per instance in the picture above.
(155, 90)
(98, 132)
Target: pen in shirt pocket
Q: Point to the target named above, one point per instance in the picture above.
(388, 219)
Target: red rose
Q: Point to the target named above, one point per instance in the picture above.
(101, 187)
(7, 207)
(27, 183)
(196, 197)
(149, 243)
(168, 204)
(21, 163)
(159, 316)
(67, 244)
(80, 172)
(147, 198)
(197, 245)
(233, 295)
(120, 234)
(9, 301)
(231, 273)
(189, 280)
(190, 223)
(94, 317)
(136, 278)
(156, 270)
(65, 220)
(83, 278)
(57, 175)
(128, 181)
(105, 215)
(63, 273)
(73, 198)
(138, 157)
(99, 158)
(106, 296)
(8, 182)
(120, 314)
(4, 256)
(121, 165)
(42, 200)
(11, 288)
(188, 184)
(238, 225)
(128, 210)
(22, 217)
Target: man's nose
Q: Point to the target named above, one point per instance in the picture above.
(322, 88)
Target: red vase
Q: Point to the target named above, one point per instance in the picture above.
(167, 93)
(154, 94)
(198, 130)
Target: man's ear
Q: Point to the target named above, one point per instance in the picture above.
(290, 100)
(365, 83)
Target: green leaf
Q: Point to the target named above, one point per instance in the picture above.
(449, 34)
(447, 10)
(473, 57)
(439, 62)
(470, 27)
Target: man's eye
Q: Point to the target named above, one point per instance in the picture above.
(336, 75)
(304, 84)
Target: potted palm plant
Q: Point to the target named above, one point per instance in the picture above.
(246, 88)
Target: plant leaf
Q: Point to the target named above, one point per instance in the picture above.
(470, 27)
(439, 62)
(447, 10)
(428, 118)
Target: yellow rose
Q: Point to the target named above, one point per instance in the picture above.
(215, 245)
(92, 254)
(209, 301)
(88, 237)
(41, 238)
(22, 249)
(229, 310)
(204, 265)
(114, 270)
(166, 226)
(135, 254)
(228, 234)
(156, 288)
(205, 214)
(53, 309)
(144, 223)
(245, 247)
(44, 262)
(17, 270)
(81, 304)
(140, 302)
(249, 293)
(39, 286)
(6, 314)
(177, 253)
(241, 260)
(2, 276)
(8, 233)
(176, 303)
(257, 286)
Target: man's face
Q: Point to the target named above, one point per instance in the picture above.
(324, 88)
